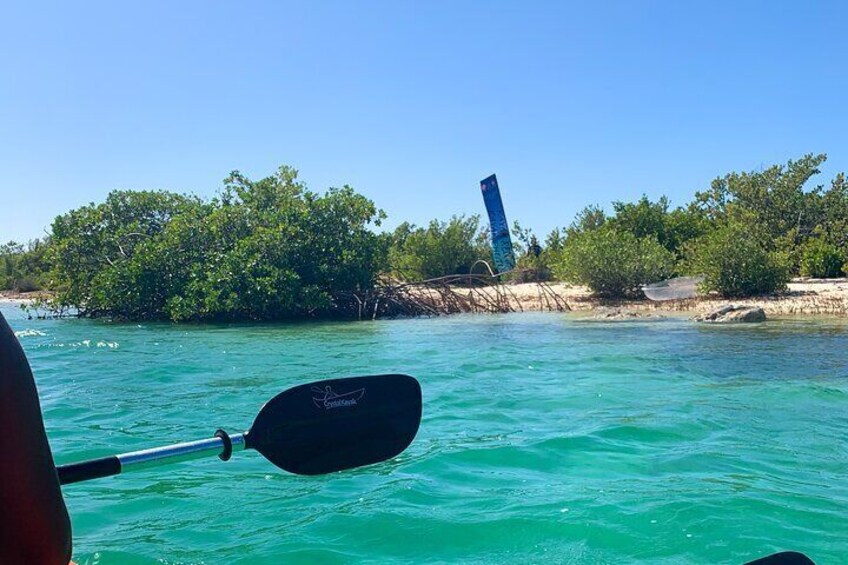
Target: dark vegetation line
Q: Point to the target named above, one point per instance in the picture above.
(271, 249)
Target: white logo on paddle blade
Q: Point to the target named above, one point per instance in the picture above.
(326, 398)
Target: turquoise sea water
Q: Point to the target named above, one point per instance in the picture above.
(545, 439)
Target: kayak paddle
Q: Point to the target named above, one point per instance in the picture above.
(310, 429)
(783, 558)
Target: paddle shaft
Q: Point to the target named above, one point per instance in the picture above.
(222, 445)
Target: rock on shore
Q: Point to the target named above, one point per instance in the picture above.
(732, 314)
(619, 314)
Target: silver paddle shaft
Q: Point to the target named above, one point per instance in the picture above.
(187, 451)
(223, 445)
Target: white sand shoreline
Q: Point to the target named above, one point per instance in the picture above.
(803, 298)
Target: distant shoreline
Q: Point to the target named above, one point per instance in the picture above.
(804, 297)
(12, 297)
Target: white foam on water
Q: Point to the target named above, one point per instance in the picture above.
(28, 333)
(88, 343)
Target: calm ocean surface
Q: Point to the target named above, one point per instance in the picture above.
(545, 439)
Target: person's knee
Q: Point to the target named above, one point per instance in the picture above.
(34, 524)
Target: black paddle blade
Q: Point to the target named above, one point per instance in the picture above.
(338, 424)
(783, 558)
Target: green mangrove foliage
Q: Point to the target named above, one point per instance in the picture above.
(615, 255)
(614, 262)
(652, 219)
(736, 262)
(266, 249)
(24, 267)
(777, 202)
(442, 248)
(748, 233)
(773, 198)
(98, 253)
(821, 259)
(534, 261)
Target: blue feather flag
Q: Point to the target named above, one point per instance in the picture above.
(501, 242)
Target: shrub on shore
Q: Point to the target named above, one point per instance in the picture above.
(24, 267)
(613, 263)
(735, 262)
(441, 248)
(821, 260)
(533, 263)
(672, 229)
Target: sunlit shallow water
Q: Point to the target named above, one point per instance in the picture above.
(545, 439)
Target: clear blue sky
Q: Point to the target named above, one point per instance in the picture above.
(412, 103)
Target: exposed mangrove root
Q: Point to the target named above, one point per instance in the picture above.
(452, 294)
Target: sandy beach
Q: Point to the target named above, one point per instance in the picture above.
(12, 297)
(804, 297)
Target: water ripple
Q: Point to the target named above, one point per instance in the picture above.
(544, 440)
